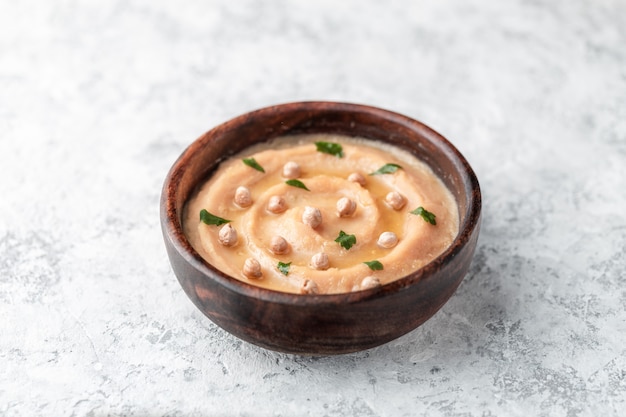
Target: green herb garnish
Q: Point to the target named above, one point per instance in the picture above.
(284, 267)
(252, 163)
(345, 240)
(426, 215)
(374, 265)
(297, 183)
(334, 149)
(212, 219)
(386, 169)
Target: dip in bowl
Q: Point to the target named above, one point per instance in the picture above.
(345, 320)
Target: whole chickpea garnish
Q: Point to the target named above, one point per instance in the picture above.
(278, 245)
(227, 235)
(320, 261)
(395, 200)
(309, 287)
(243, 198)
(387, 240)
(312, 216)
(345, 207)
(291, 170)
(358, 178)
(252, 268)
(276, 204)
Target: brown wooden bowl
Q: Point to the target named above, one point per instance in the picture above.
(319, 324)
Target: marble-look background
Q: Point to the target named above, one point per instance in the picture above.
(97, 99)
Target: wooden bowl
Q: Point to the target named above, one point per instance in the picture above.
(319, 324)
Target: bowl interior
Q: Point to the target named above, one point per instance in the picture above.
(201, 158)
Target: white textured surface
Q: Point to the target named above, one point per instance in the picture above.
(97, 99)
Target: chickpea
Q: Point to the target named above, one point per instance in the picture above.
(395, 200)
(358, 178)
(278, 245)
(291, 170)
(369, 283)
(309, 287)
(312, 216)
(345, 207)
(320, 261)
(227, 235)
(252, 268)
(387, 240)
(276, 204)
(243, 198)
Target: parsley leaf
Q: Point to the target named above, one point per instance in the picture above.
(374, 265)
(297, 183)
(386, 169)
(252, 163)
(284, 267)
(345, 240)
(334, 149)
(212, 219)
(426, 215)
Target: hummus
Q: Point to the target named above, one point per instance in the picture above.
(304, 218)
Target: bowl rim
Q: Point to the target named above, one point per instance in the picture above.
(173, 231)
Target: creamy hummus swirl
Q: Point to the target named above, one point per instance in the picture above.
(326, 178)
